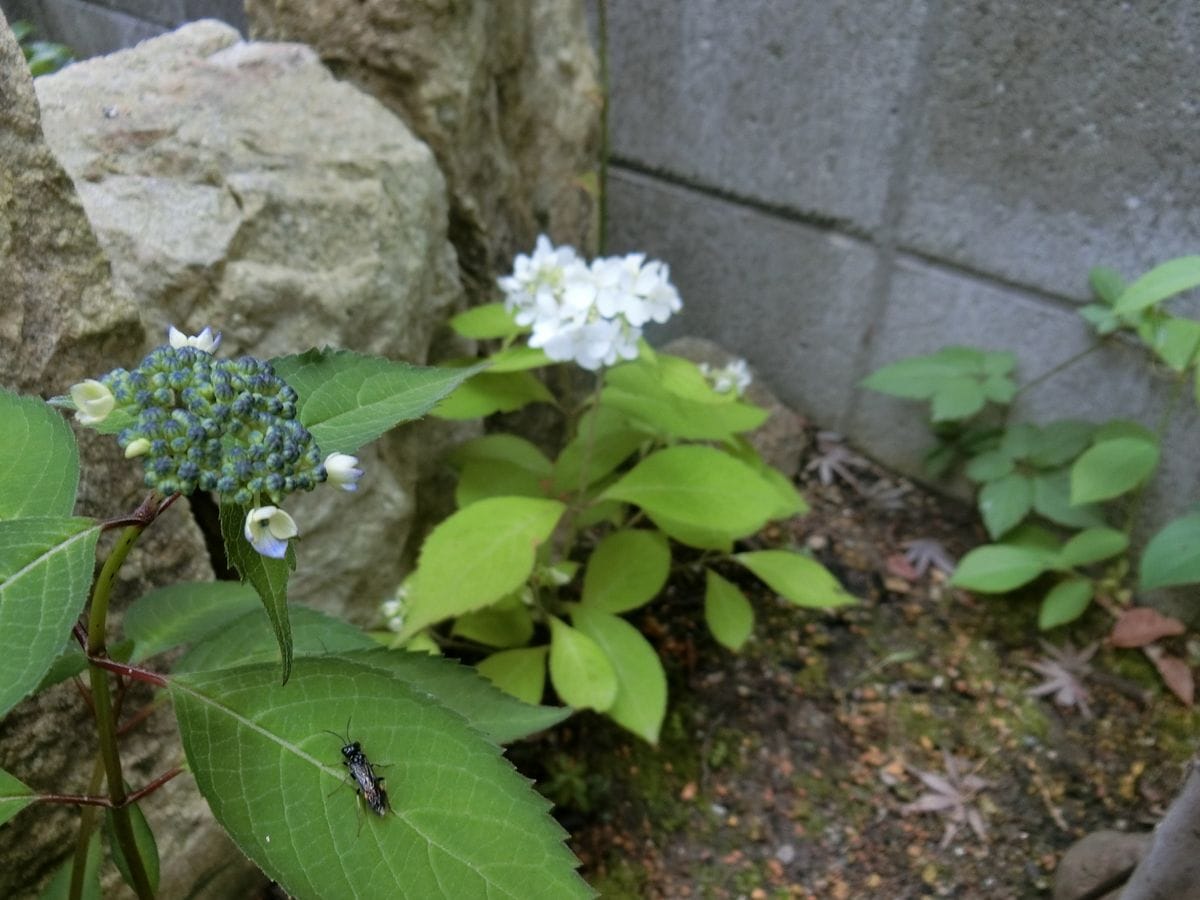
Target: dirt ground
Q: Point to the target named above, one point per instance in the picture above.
(783, 771)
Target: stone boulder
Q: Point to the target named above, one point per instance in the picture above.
(504, 93)
(240, 185)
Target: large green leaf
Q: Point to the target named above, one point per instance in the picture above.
(520, 673)
(641, 701)
(701, 487)
(1112, 467)
(1065, 602)
(1164, 281)
(39, 462)
(503, 448)
(1176, 340)
(506, 623)
(581, 672)
(269, 577)
(996, 568)
(14, 796)
(640, 391)
(1173, 555)
(1060, 442)
(1092, 545)
(957, 398)
(348, 399)
(184, 613)
(627, 569)
(797, 578)
(492, 392)
(603, 441)
(462, 822)
(498, 465)
(45, 571)
(1052, 499)
(729, 615)
(491, 320)
(1003, 503)
(478, 555)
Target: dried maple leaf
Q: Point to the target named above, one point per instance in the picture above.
(836, 459)
(951, 795)
(1064, 669)
(925, 552)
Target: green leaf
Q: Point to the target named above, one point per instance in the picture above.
(184, 613)
(1060, 442)
(518, 359)
(1091, 546)
(641, 700)
(462, 822)
(638, 390)
(1124, 428)
(143, 837)
(996, 568)
(1172, 277)
(491, 320)
(14, 796)
(478, 555)
(581, 673)
(791, 501)
(269, 577)
(59, 887)
(698, 487)
(491, 393)
(39, 462)
(627, 569)
(603, 441)
(503, 448)
(1107, 284)
(1110, 468)
(348, 399)
(920, 377)
(1173, 555)
(1052, 499)
(1176, 341)
(1102, 318)
(989, 466)
(1005, 502)
(1065, 602)
(958, 398)
(728, 613)
(797, 578)
(520, 673)
(45, 572)
(483, 479)
(1020, 440)
(506, 623)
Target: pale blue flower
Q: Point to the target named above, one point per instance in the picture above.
(268, 529)
(340, 467)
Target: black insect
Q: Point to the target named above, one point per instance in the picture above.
(369, 785)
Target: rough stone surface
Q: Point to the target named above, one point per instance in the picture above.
(240, 185)
(1094, 860)
(61, 320)
(504, 93)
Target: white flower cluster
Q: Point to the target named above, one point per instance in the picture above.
(395, 610)
(592, 314)
(733, 377)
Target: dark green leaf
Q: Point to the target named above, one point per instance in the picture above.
(1107, 284)
(1052, 499)
(59, 887)
(144, 839)
(1173, 555)
(1065, 602)
(1003, 503)
(14, 796)
(996, 568)
(39, 463)
(1060, 442)
(184, 613)
(989, 466)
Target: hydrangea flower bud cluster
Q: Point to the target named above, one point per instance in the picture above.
(591, 314)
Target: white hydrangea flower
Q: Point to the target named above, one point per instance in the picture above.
(342, 471)
(93, 401)
(734, 377)
(395, 610)
(206, 340)
(268, 529)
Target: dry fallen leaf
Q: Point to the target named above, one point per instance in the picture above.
(1176, 674)
(1142, 625)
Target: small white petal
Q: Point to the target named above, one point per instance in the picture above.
(206, 340)
(342, 471)
(176, 337)
(268, 529)
(93, 401)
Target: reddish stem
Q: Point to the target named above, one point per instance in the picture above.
(88, 800)
(137, 673)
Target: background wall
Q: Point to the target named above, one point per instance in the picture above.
(840, 184)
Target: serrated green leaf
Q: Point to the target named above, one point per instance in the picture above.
(1060, 442)
(1111, 468)
(482, 479)
(1107, 284)
(791, 501)
(641, 700)
(348, 399)
(1065, 602)
(1160, 283)
(462, 822)
(184, 613)
(1052, 499)
(46, 569)
(627, 569)
(143, 837)
(797, 578)
(503, 448)
(268, 577)
(1173, 555)
(957, 398)
(59, 887)
(996, 568)
(491, 320)
(503, 624)
(989, 466)
(637, 389)
(1003, 503)
(580, 671)
(39, 462)
(478, 555)
(518, 359)
(1176, 341)
(1093, 545)
(698, 487)
(520, 673)
(602, 442)
(490, 392)
(729, 615)
(14, 796)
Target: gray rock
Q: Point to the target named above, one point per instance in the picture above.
(1096, 859)
(504, 93)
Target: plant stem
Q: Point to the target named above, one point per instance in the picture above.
(602, 188)
(1054, 370)
(87, 824)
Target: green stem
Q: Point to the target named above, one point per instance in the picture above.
(1050, 373)
(602, 187)
(87, 824)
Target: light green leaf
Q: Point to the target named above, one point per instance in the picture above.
(269, 577)
(1110, 468)
(348, 399)
(1173, 555)
(791, 501)
(1124, 428)
(1091, 546)
(1003, 503)
(518, 359)
(581, 673)
(478, 555)
(1107, 284)
(700, 487)
(14, 796)
(490, 392)
(692, 536)
(1065, 602)
(921, 377)
(1060, 442)
(39, 462)
(999, 389)
(144, 839)
(996, 568)
(602, 442)
(797, 578)
(1160, 283)
(503, 448)
(59, 887)
(641, 701)
(184, 613)
(482, 479)
(989, 466)
(491, 320)
(45, 571)
(1176, 340)
(1052, 499)
(503, 624)
(958, 398)
(638, 390)
(520, 673)
(1020, 440)
(462, 822)
(729, 615)
(627, 569)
